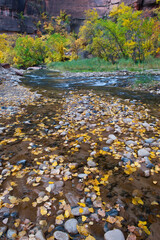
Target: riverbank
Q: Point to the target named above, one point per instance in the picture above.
(13, 95)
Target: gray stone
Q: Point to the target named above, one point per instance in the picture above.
(112, 136)
(149, 140)
(39, 235)
(59, 184)
(59, 235)
(11, 233)
(4, 171)
(95, 217)
(143, 153)
(115, 234)
(109, 141)
(71, 226)
(91, 163)
(127, 120)
(72, 199)
(75, 211)
(3, 229)
(130, 142)
(2, 129)
(82, 175)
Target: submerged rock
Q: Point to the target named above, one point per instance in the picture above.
(115, 234)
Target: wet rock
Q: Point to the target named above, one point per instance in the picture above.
(109, 141)
(106, 149)
(11, 233)
(127, 120)
(131, 143)
(80, 187)
(72, 199)
(59, 184)
(149, 140)
(143, 153)
(113, 212)
(112, 136)
(61, 235)
(3, 229)
(115, 234)
(97, 204)
(5, 171)
(71, 226)
(21, 162)
(14, 214)
(106, 229)
(126, 160)
(76, 211)
(39, 235)
(95, 217)
(91, 163)
(2, 129)
(82, 175)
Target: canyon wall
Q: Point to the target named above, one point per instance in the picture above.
(22, 15)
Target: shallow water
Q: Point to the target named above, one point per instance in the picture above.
(50, 79)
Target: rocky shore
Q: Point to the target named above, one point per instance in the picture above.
(13, 95)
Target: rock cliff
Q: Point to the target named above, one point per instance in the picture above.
(21, 15)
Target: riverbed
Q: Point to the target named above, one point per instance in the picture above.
(88, 151)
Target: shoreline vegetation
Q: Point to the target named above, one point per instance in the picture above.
(101, 65)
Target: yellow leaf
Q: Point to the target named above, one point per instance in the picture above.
(82, 230)
(91, 210)
(38, 179)
(34, 204)
(137, 200)
(26, 199)
(90, 238)
(54, 164)
(111, 219)
(13, 199)
(60, 217)
(82, 204)
(81, 210)
(84, 218)
(43, 210)
(66, 214)
(154, 203)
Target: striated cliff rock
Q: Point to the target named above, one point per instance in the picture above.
(21, 15)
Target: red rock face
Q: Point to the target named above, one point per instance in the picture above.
(10, 10)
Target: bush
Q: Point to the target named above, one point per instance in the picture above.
(29, 51)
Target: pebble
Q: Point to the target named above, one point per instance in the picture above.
(91, 163)
(3, 229)
(2, 129)
(95, 217)
(149, 140)
(21, 162)
(4, 171)
(71, 226)
(76, 211)
(109, 141)
(112, 136)
(115, 234)
(143, 153)
(82, 175)
(61, 235)
(39, 235)
(11, 233)
(80, 187)
(130, 142)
